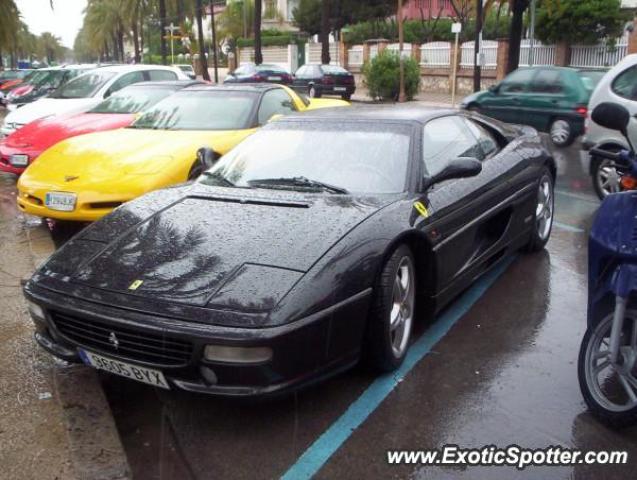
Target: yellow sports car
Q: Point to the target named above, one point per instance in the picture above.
(84, 178)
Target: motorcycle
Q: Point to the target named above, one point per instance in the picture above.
(607, 365)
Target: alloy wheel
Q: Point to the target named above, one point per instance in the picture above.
(544, 209)
(607, 178)
(402, 311)
(560, 132)
(613, 387)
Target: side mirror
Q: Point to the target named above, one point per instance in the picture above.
(461, 167)
(206, 158)
(612, 115)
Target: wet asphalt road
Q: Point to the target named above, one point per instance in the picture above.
(504, 374)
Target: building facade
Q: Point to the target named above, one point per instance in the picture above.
(427, 9)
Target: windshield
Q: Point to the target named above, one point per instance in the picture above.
(357, 158)
(591, 78)
(45, 78)
(132, 100)
(84, 86)
(200, 110)
(10, 75)
(333, 70)
(186, 68)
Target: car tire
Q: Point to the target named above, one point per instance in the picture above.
(347, 97)
(392, 312)
(561, 132)
(544, 213)
(313, 92)
(604, 176)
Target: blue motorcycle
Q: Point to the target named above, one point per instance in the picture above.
(607, 366)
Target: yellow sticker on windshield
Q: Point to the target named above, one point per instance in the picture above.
(421, 209)
(136, 284)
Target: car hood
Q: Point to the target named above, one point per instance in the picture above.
(474, 97)
(45, 132)
(215, 247)
(99, 160)
(46, 107)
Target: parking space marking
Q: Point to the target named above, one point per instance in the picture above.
(578, 196)
(317, 454)
(568, 228)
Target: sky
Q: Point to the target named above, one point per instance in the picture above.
(64, 21)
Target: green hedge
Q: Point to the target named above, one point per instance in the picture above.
(382, 76)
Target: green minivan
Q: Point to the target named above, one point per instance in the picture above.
(550, 99)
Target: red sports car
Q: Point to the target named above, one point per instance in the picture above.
(21, 148)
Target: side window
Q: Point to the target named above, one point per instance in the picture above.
(625, 85)
(302, 72)
(162, 75)
(486, 140)
(447, 138)
(517, 82)
(547, 81)
(275, 102)
(125, 81)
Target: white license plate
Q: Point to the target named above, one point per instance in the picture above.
(19, 160)
(63, 202)
(274, 79)
(340, 89)
(123, 369)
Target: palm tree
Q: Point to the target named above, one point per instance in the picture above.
(258, 9)
(162, 25)
(325, 32)
(9, 24)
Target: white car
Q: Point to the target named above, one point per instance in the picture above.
(619, 85)
(86, 91)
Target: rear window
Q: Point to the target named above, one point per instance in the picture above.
(590, 78)
(84, 86)
(625, 85)
(270, 68)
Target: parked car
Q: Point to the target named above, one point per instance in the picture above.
(86, 91)
(188, 70)
(9, 84)
(84, 178)
(308, 245)
(550, 99)
(619, 85)
(42, 83)
(251, 73)
(10, 75)
(23, 146)
(319, 80)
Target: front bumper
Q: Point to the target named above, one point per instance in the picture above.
(304, 351)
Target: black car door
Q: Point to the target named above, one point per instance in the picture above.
(301, 79)
(471, 216)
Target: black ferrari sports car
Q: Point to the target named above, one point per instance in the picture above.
(303, 250)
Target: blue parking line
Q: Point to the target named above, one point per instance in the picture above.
(568, 228)
(331, 440)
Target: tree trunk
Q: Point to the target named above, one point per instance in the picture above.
(1, 62)
(136, 33)
(202, 49)
(213, 29)
(258, 55)
(141, 36)
(162, 36)
(515, 33)
(120, 43)
(477, 68)
(325, 33)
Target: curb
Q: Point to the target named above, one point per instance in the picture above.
(96, 452)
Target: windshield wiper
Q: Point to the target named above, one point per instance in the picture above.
(219, 177)
(297, 182)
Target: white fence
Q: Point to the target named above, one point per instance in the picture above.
(597, 55)
(313, 53)
(285, 57)
(395, 47)
(542, 54)
(355, 56)
(489, 51)
(435, 54)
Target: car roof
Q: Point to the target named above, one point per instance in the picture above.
(376, 113)
(166, 83)
(133, 68)
(236, 87)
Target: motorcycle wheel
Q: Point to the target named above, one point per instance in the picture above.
(610, 392)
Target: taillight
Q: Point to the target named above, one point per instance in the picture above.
(628, 183)
(582, 111)
(258, 77)
(327, 80)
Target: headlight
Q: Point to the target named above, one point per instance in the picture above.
(226, 354)
(35, 310)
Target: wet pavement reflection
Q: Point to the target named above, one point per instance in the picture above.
(505, 374)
